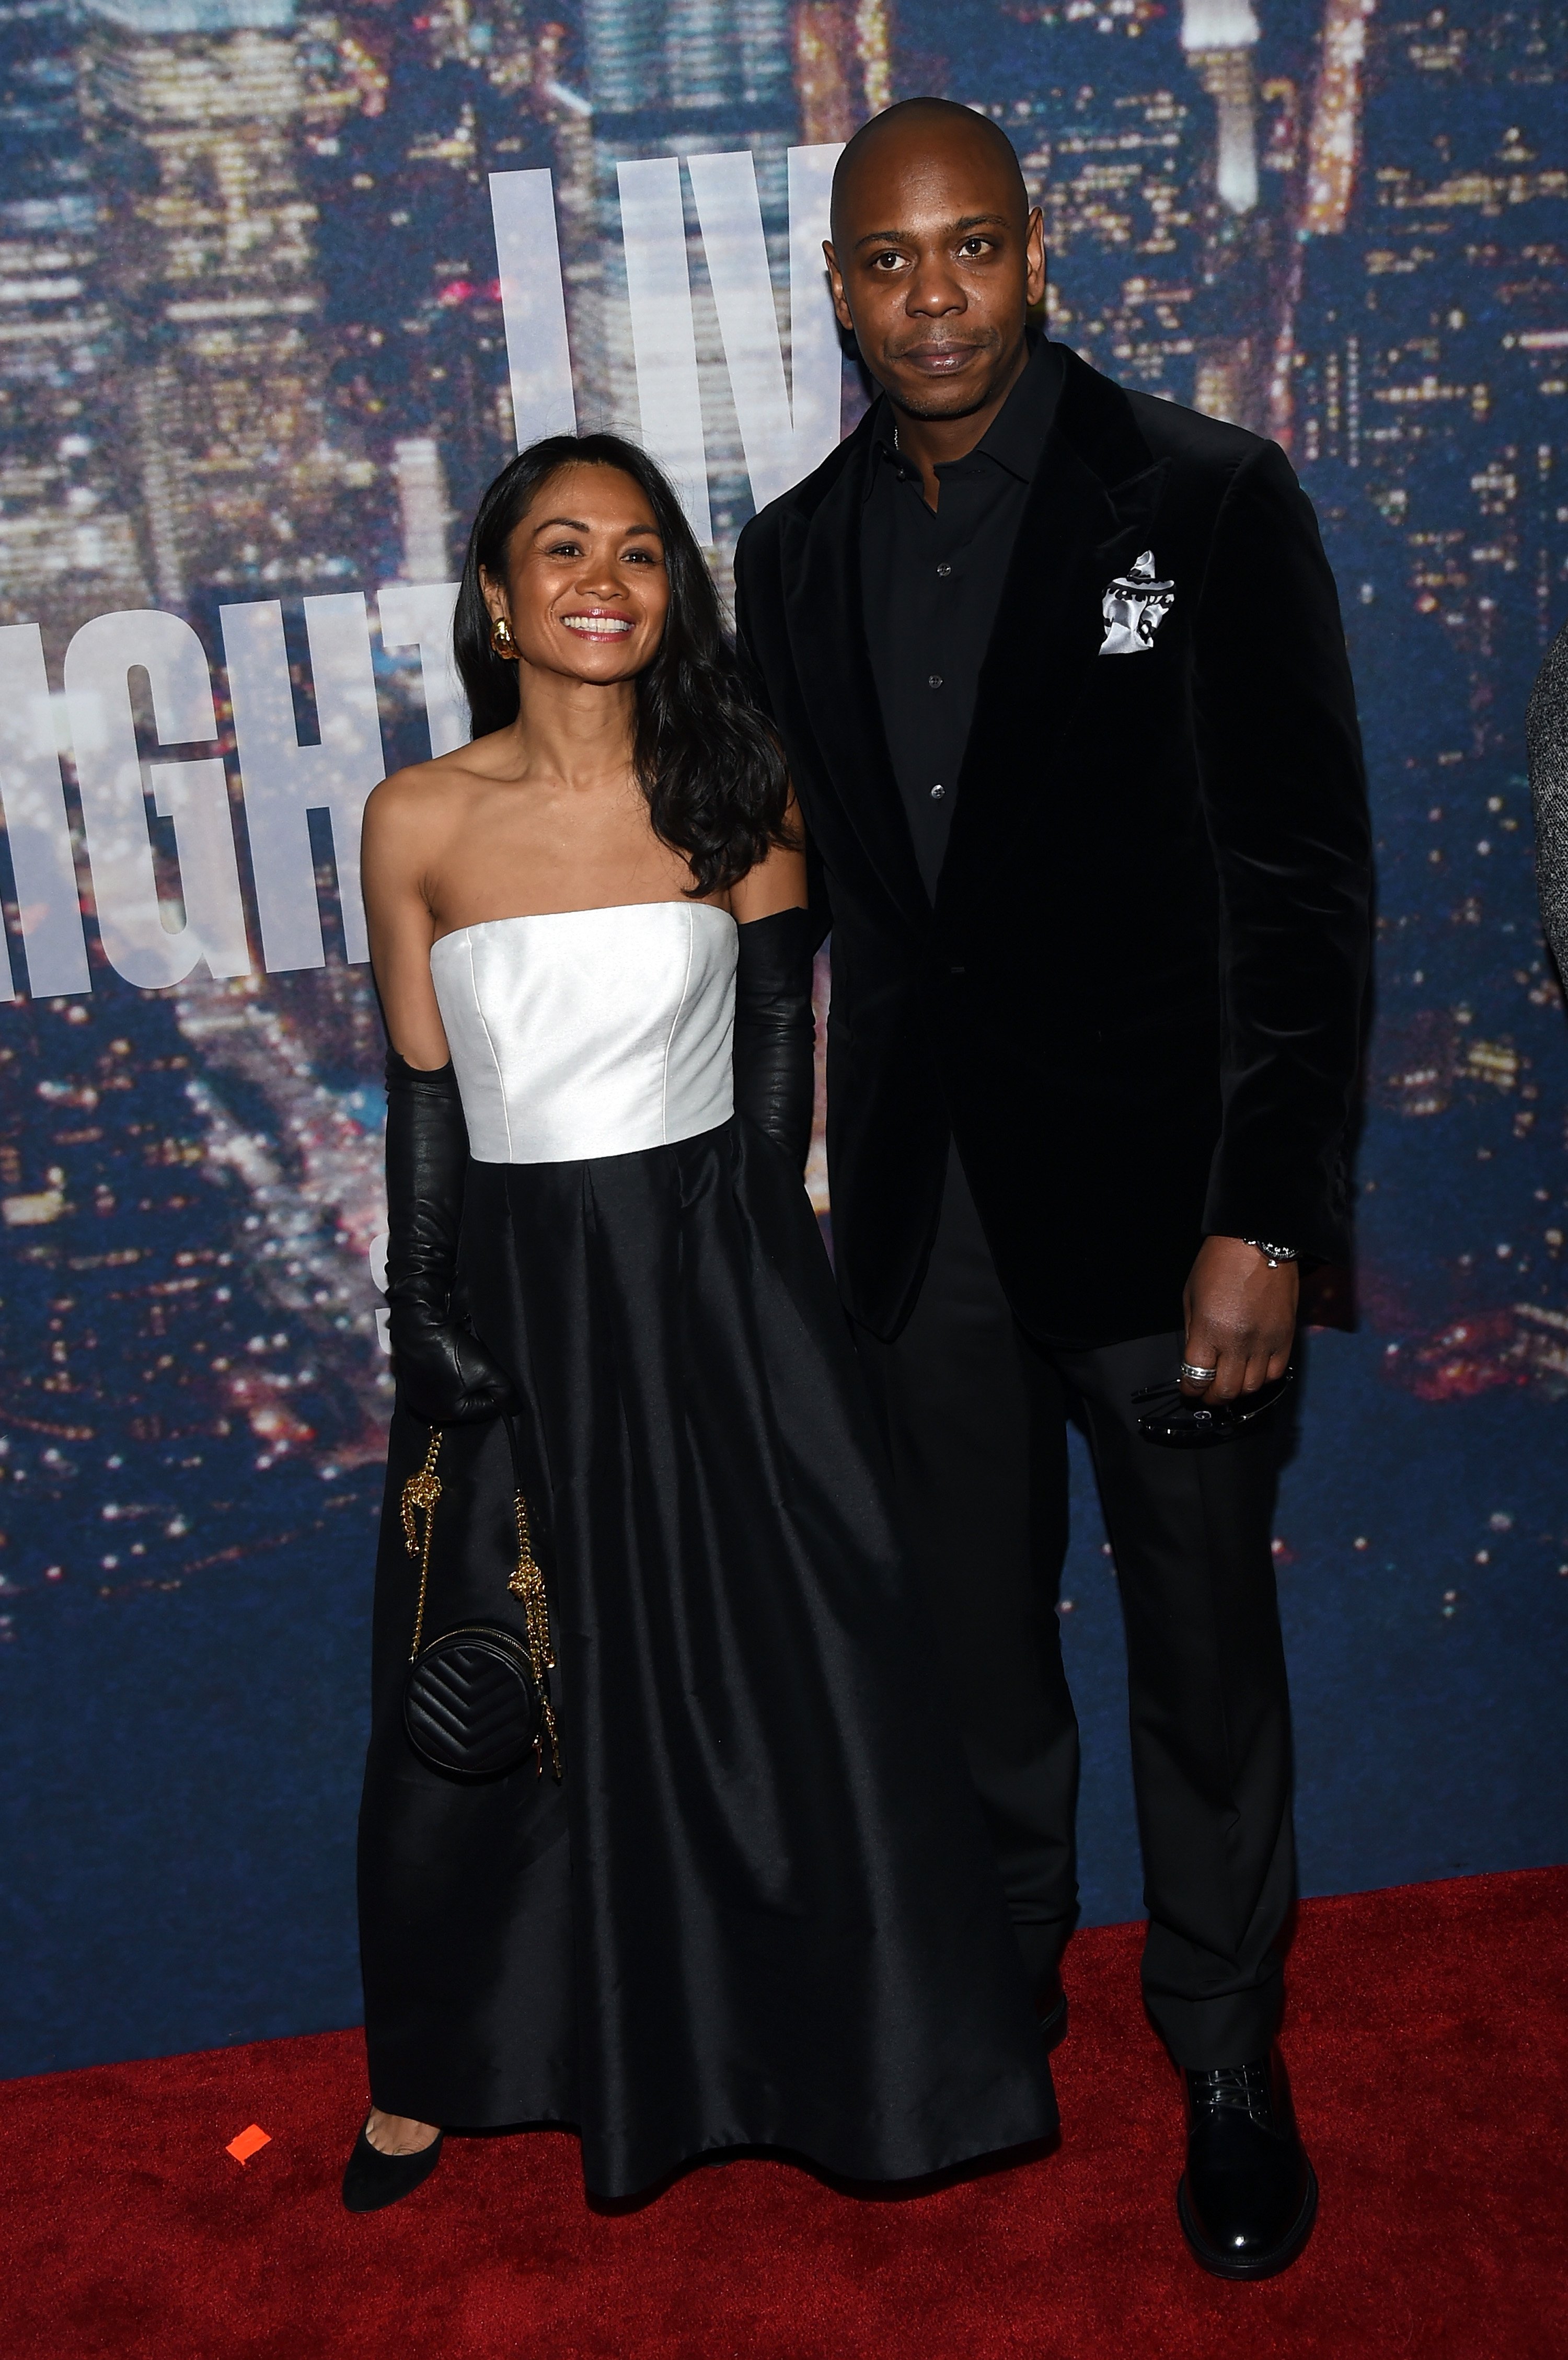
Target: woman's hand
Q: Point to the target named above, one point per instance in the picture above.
(445, 1376)
(1241, 1319)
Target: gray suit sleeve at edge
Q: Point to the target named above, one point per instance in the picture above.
(1546, 737)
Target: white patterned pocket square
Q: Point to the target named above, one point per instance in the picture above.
(1133, 607)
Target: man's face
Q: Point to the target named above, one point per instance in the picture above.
(933, 266)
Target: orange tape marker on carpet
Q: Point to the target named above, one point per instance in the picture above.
(249, 2142)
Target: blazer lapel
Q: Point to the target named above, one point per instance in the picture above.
(1089, 513)
(832, 663)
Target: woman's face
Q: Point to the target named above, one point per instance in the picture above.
(585, 590)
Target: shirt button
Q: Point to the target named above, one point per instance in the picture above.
(943, 571)
(934, 680)
(937, 793)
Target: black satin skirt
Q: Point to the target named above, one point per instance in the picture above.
(760, 1907)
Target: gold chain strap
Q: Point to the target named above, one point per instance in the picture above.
(528, 1583)
(421, 1491)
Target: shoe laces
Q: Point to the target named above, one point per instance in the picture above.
(1240, 2089)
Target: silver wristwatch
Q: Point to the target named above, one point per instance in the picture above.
(1274, 1255)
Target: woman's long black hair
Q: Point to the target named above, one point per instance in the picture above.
(707, 760)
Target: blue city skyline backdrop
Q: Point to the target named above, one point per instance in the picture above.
(252, 347)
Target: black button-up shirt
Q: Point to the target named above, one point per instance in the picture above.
(931, 582)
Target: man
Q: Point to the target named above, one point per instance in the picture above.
(1060, 676)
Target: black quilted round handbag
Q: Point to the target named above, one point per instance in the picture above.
(477, 1700)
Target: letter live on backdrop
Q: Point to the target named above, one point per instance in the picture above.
(153, 941)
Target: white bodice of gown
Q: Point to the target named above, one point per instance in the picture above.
(590, 1031)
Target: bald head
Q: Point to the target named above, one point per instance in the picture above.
(936, 258)
(916, 129)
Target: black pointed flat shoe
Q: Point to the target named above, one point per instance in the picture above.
(373, 2179)
(1248, 2196)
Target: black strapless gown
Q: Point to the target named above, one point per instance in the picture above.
(761, 1908)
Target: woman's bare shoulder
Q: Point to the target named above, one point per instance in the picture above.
(429, 797)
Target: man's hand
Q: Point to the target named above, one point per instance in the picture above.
(1241, 1319)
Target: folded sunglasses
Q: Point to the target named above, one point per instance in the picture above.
(1186, 1422)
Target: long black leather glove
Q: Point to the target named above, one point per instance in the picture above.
(444, 1375)
(775, 1030)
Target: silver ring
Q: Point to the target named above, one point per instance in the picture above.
(1198, 1376)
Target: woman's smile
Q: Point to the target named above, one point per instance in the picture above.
(597, 623)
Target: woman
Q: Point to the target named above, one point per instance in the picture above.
(758, 1907)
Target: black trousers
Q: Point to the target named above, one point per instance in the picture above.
(974, 1413)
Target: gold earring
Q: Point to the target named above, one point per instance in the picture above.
(501, 638)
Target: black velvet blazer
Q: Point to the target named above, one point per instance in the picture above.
(1137, 1003)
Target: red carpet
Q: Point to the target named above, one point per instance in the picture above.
(1428, 2039)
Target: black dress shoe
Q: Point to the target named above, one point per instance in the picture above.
(1248, 2197)
(1050, 2006)
(373, 2179)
